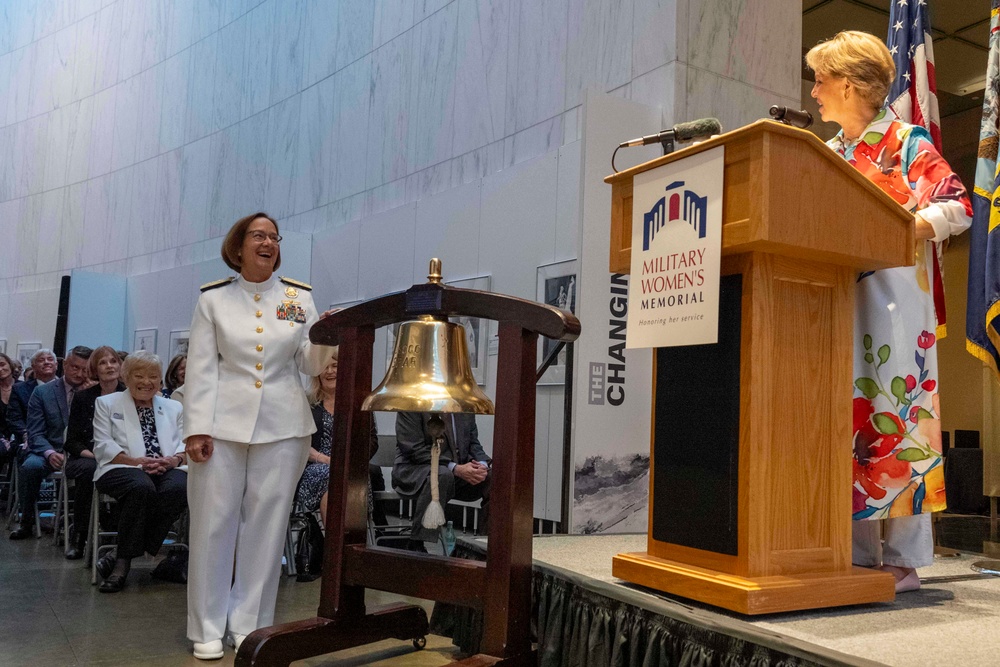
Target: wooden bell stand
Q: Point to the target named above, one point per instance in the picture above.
(500, 587)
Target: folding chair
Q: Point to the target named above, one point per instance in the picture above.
(51, 505)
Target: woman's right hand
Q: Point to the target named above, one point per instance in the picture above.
(199, 448)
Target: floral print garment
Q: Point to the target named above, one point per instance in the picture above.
(897, 429)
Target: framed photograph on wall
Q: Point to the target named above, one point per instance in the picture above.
(557, 286)
(144, 339)
(477, 330)
(3, 346)
(24, 352)
(178, 344)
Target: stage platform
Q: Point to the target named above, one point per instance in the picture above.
(586, 617)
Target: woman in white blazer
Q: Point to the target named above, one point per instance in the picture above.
(247, 429)
(137, 444)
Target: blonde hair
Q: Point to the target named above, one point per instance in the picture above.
(316, 393)
(859, 57)
(140, 361)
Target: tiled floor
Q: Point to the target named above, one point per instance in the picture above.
(51, 615)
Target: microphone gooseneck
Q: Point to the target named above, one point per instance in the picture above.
(795, 117)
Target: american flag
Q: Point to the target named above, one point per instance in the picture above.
(913, 96)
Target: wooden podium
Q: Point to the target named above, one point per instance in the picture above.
(750, 471)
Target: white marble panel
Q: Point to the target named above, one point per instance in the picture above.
(49, 221)
(180, 26)
(133, 37)
(654, 33)
(258, 46)
(40, 89)
(86, 8)
(481, 76)
(126, 122)
(145, 235)
(386, 255)
(176, 75)
(102, 133)
(8, 137)
(6, 84)
(536, 140)
(230, 10)
(742, 51)
(176, 294)
(223, 168)
(392, 18)
(664, 87)
(433, 89)
(478, 163)
(50, 16)
(119, 221)
(317, 134)
(430, 181)
(389, 121)
(341, 212)
(6, 35)
(599, 47)
(321, 33)
(539, 86)
(351, 117)
(287, 49)
(335, 264)
(251, 164)
(108, 46)
(9, 222)
(229, 73)
(23, 24)
(27, 235)
(205, 18)
(29, 152)
(282, 147)
(447, 226)
(195, 191)
(386, 197)
(518, 224)
(72, 226)
(141, 305)
(154, 33)
(568, 197)
(166, 205)
(150, 110)
(743, 103)
(200, 113)
(19, 92)
(87, 48)
(62, 66)
(60, 123)
(96, 217)
(356, 42)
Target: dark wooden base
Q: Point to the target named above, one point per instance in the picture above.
(280, 645)
(756, 595)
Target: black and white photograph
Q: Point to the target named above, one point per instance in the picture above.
(24, 352)
(557, 286)
(144, 339)
(178, 343)
(476, 329)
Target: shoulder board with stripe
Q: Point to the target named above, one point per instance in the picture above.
(217, 283)
(295, 283)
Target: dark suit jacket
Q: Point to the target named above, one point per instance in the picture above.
(413, 447)
(48, 415)
(17, 409)
(80, 433)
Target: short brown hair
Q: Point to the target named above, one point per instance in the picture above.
(233, 243)
(141, 360)
(98, 355)
(861, 58)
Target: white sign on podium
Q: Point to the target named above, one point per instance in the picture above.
(676, 253)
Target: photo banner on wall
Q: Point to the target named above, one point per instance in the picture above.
(676, 253)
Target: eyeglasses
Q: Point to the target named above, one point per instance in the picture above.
(260, 237)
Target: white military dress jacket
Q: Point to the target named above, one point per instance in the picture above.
(117, 429)
(248, 343)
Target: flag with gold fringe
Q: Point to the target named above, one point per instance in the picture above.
(982, 322)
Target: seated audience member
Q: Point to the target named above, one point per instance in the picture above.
(6, 388)
(48, 416)
(137, 442)
(315, 480)
(104, 365)
(42, 370)
(174, 378)
(463, 470)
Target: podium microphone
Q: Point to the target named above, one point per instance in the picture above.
(704, 127)
(801, 119)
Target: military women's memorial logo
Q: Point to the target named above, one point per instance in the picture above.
(676, 253)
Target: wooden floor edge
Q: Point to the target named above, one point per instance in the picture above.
(756, 595)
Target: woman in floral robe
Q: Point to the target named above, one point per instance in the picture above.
(897, 429)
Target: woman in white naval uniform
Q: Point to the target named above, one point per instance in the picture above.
(247, 431)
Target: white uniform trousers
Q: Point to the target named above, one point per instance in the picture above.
(908, 542)
(239, 500)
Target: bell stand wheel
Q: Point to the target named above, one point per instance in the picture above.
(420, 643)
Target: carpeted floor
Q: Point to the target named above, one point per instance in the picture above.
(954, 619)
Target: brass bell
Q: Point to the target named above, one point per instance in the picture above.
(429, 370)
